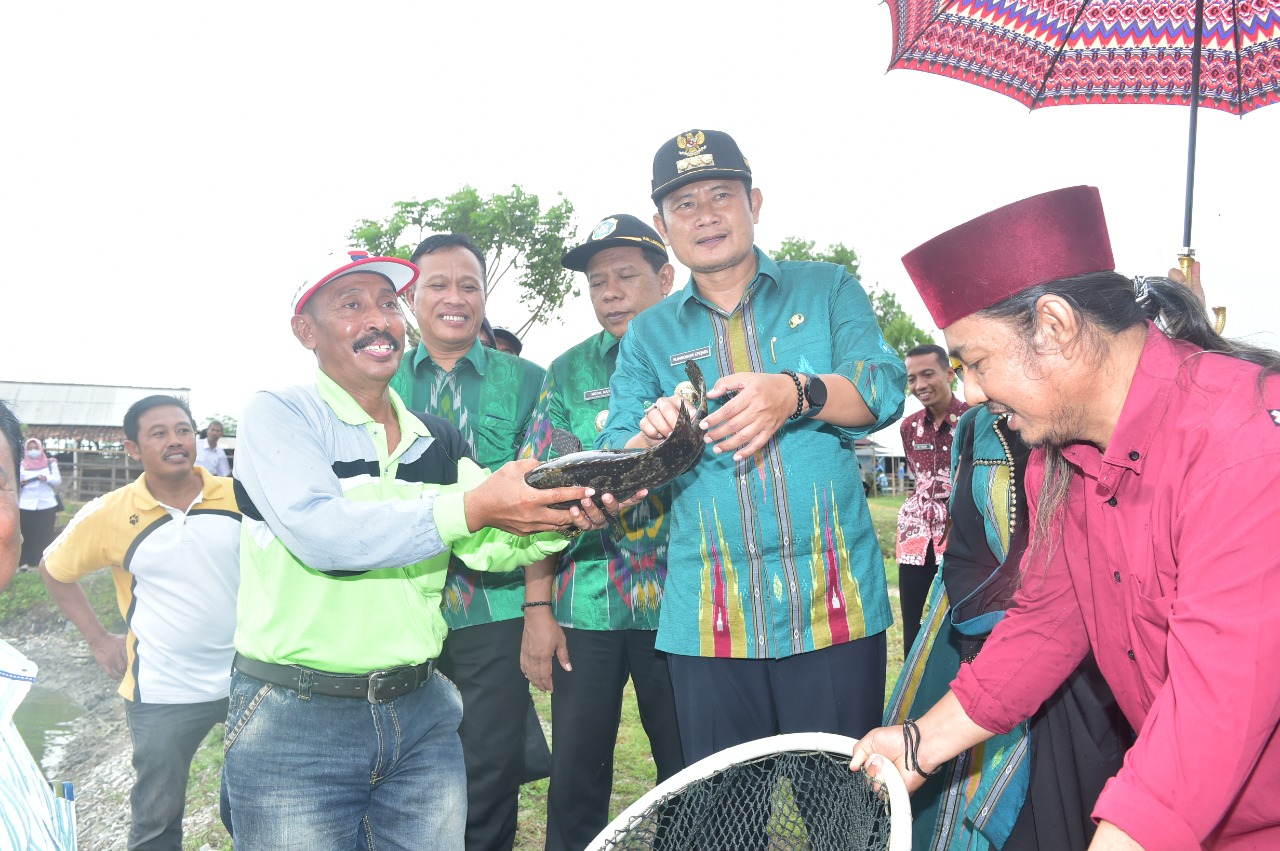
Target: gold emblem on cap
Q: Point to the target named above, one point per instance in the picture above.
(691, 145)
(796, 320)
(601, 419)
(691, 142)
(605, 228)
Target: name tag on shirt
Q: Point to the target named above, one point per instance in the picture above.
(695, 354)
(922, 447)
(592, 395)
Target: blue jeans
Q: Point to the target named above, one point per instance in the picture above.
(165, 738)
(341, 773)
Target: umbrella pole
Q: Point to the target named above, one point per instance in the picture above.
(1188, 254)
(1187, 257)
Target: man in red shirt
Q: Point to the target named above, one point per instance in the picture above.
(922, 521)
(1151, 492)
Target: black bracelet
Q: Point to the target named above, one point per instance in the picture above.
(799, 393)
(911, 748)
(524, 606)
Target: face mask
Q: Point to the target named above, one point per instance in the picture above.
(33, 454)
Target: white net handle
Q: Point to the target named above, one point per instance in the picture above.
(899, 801)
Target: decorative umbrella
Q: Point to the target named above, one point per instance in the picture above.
(1052, 52)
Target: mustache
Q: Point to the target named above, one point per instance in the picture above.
(997, 409)
(376, 337)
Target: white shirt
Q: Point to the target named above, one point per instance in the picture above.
(38, 494)
(213, 459)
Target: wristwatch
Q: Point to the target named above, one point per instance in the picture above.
(815, 393)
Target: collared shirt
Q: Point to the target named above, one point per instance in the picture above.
(176, 572)
(213, 459)
(923, 516)
(489, 396)
(347, 540)
(1167, 568)
(32, 817)
(774, 555)
(603, 581)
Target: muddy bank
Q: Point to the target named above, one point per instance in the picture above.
(97, 757)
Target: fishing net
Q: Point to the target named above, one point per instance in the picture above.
(779, 802)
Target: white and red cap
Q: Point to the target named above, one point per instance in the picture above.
(401, 273)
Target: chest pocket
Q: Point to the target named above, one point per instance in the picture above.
(497, 440)
(804, 348)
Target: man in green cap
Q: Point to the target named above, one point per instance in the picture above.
(598, 614)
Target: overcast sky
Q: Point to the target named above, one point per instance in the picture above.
(170, 170)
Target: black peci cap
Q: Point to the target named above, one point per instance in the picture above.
(618, 230)
(697, 155)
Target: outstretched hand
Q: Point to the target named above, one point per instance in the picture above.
(505, 501)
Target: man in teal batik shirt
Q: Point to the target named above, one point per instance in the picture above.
(775, 605)
(606, 590)
(489, 395)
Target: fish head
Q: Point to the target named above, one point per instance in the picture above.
(698, 397)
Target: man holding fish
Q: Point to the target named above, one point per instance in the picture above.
(775, 606)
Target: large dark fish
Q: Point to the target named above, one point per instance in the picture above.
(623, 472)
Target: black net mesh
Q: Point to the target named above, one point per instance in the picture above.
(780, 802)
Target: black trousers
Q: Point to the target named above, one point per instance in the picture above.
(37, 533)
(913, 589)
(484, 663)
(586, 708)
(725, 702)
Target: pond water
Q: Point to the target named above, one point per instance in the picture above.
(44, 720)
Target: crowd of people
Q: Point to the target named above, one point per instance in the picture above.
(1086, 583)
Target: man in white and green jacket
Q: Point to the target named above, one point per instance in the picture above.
(339, 730)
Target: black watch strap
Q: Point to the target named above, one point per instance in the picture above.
(815, 394)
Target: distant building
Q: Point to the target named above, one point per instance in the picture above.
(83, 426)
(77, 416)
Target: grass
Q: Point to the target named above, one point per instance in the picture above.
(633, 770)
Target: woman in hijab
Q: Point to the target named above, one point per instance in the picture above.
(38, 501)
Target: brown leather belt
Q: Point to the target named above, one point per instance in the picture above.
(375, 686)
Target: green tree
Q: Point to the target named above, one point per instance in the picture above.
(229, 424)
(899, 329)
(521, 241)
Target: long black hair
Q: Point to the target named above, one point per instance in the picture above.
(1107, 304)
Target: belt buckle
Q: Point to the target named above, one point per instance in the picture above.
(372, 693)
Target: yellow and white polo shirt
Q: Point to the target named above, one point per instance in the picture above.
(176, 571)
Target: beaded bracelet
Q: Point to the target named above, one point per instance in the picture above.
(524, 606)
(799, 393)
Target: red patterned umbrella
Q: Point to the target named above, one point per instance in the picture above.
(1052, 52)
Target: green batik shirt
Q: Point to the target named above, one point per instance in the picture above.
(489, 395)
(773, 555)
(602, 581)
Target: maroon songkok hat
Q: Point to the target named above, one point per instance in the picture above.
(999, 254)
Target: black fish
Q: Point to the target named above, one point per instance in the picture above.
(623, 472)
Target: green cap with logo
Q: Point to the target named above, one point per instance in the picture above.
(616, 231)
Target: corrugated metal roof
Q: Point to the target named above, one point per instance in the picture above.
(76, 404)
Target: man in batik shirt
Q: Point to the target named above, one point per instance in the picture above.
(775, 608)
(489, 395)
(599, 614)
(926, 438)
